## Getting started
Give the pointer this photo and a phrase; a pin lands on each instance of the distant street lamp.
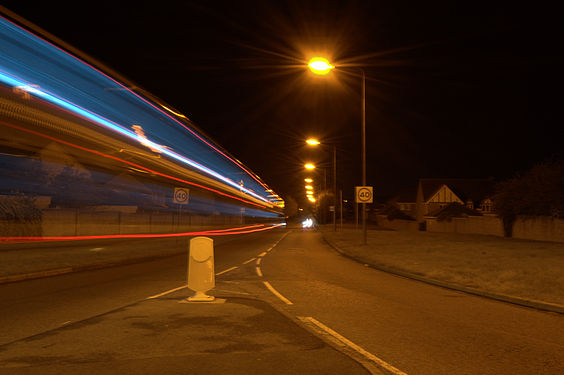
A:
(309, 166)
(315, 142)
(321, 66)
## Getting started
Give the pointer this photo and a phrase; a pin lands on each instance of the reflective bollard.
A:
(201, 274)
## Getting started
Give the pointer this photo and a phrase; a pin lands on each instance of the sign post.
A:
(363, 194)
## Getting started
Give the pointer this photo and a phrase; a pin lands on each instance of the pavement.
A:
(373, 249)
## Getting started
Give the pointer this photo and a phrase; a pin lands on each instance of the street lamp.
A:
(321, 66)
(315, 142)
(312, 142)
(309, 166)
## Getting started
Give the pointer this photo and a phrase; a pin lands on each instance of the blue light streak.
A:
(33, 89)
(44, 71)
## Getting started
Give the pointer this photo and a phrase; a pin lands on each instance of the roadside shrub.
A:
(394, 213)
(537, 192)
(19, 216)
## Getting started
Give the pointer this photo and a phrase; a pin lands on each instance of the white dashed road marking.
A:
(227, 270)
(167, 292)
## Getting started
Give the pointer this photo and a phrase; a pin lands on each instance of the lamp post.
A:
(321, 66)
(315, 142)
(363, 152)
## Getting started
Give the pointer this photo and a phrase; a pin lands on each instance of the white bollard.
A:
(201, 275)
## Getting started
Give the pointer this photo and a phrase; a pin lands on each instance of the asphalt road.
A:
(135, 319)
(34, 306)
(415, 327)
(316, 302)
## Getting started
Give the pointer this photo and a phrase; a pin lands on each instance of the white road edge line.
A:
(258, 261)
(227, 270)
(167, 292)
(277, 242)
(249, 261)
(277, 294)
(352, 345)
(258, 271)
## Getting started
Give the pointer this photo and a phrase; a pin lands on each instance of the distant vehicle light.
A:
(307, 223)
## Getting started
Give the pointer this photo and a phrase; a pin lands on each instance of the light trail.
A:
(237, 163)
(127, 162)
(11, 80)
(218, 232)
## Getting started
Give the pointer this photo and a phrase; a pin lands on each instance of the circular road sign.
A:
(181, 195)
(364, 194)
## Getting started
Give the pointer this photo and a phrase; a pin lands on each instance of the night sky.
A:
(453, 90)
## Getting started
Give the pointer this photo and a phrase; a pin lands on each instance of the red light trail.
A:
(216, 232)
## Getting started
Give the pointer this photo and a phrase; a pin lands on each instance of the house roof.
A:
(474, 189)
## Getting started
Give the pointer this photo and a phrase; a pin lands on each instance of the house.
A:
(434, 194)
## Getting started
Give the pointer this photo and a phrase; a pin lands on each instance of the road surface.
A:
(321, 310)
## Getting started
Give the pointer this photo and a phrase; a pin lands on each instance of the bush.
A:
(19, 216)
(537, 192)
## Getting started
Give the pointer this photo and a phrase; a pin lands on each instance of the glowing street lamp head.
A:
(308, 180)
(313, 142)
(320, 66)
(309, 166)
(309, 187)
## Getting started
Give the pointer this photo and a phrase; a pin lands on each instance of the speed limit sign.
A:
(363, 194)
(181, 195)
